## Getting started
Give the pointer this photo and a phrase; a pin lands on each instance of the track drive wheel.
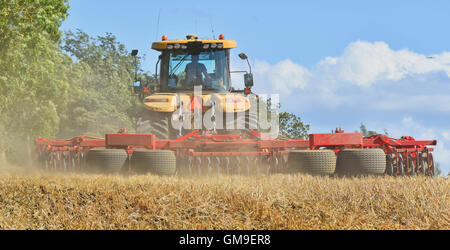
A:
(156, 123)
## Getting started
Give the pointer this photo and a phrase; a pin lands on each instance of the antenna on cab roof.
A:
(212, 29)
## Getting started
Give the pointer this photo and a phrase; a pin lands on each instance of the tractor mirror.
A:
(248, 80)
(243, 56)
(134, 52)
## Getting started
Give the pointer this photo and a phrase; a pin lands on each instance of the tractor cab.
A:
(185, 64)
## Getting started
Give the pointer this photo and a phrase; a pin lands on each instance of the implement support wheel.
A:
(106, 161)
(159, 162)
(316, 162)
(361, 161)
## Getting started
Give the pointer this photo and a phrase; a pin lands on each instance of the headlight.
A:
(205, 46)
(183, 46)
(177, 46)
(170, 46)
(213, 45)
(220, 46)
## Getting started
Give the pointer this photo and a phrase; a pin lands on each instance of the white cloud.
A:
(365, 63)
(446, 135)
(284, 76)
(361, 63)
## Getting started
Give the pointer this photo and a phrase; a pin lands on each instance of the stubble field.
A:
(222, 202)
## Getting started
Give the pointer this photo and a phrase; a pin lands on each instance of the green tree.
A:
(33, 82)
(102, 100)
(28, 29)
(292, 127)
(366, 132)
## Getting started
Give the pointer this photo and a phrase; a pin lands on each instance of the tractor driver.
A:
(194, 71)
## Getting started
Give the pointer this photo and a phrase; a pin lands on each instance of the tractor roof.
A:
(162, 45)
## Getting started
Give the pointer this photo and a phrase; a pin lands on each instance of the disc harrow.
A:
(249, 153)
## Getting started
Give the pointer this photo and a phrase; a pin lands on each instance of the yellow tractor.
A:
(194, 91)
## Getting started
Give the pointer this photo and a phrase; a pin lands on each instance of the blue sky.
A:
(305, 31)
(334, 63)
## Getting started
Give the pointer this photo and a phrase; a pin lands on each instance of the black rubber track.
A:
(159, 162)
(156, 123)
(105, 161)
(361, 161)
(316, 162)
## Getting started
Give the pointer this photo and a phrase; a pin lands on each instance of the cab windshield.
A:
(182, 71)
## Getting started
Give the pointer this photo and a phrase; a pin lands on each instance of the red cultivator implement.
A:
(247, 153)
